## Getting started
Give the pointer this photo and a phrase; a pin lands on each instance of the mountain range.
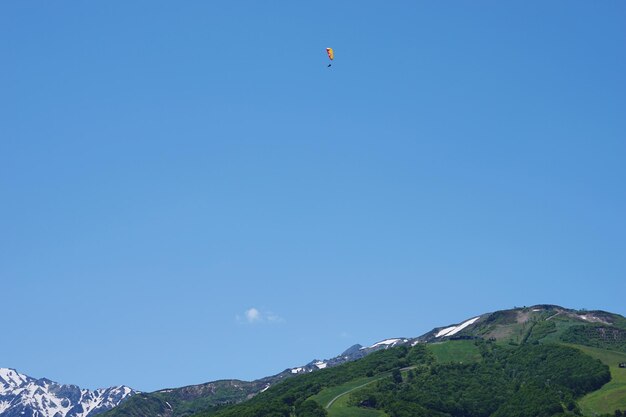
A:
(24, 396)
(520, 326)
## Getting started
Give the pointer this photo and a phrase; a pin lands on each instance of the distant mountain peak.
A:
(24, 396)
(352, 349)
(11, 379)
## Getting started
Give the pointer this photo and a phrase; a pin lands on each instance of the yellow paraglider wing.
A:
(331, 53)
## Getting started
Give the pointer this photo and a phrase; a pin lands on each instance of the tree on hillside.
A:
(310, 408)
(396, 376)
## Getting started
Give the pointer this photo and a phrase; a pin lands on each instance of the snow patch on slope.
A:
(11, 379)
(445, 331)
(386, 342)
(449, 331)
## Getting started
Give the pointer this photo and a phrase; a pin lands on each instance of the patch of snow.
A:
(296, 370)
(445, 331)
(463, 326)
(536, 309)
(381, 343)
(53, 407)
(320, 364)
(592, 319)
(449, 331)
(266, 388)
(4, 405)
(385, 342)
(13, 378)
(90, 403)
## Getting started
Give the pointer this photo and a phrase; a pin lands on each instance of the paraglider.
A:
(331, 54)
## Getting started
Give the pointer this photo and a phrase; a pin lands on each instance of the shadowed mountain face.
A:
(23, 396)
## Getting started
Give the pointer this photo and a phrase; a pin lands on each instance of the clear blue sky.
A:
(165, 167)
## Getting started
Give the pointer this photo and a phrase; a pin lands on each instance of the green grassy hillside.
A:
(503, 364)
(342, 408)
(293, 397)
(611, 396)
(458, 351)
(600, 336)
(531, 380)
(454, 378)
(335, 399)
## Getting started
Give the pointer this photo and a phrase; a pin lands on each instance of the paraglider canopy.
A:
(331, 54)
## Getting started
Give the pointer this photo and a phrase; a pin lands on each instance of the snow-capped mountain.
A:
(23, 396)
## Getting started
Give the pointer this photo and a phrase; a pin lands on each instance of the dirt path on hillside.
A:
(348, 392)
(330, 403)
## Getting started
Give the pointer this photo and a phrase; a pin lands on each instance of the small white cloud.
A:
(254, 315)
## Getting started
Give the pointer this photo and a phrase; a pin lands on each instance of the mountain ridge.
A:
(497, 325)
(25, 396)
(514, 326)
